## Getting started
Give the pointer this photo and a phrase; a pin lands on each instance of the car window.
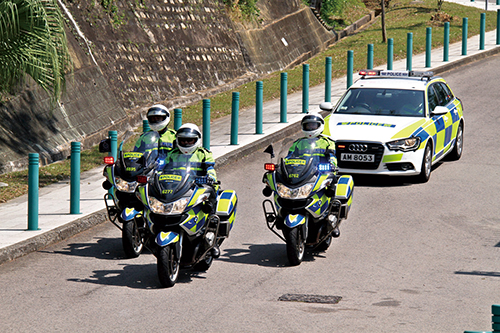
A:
(385, 102)
(432, 98)
(447, 90)
(443, 97)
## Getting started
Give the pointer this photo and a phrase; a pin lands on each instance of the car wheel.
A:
(458, 148)
(426, 168)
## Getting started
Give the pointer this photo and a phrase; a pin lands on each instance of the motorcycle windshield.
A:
(302, 161)
(141, 159)
(178, 176)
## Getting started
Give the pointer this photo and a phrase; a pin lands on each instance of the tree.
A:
(33, 42)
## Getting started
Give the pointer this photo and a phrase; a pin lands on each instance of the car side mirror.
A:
(326, 106)
(439, 110)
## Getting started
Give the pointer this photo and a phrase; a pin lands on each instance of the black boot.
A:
(216, 252)
(336, 232)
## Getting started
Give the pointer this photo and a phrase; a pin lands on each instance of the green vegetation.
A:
(247, 8)
(33, 43)
(401, 19)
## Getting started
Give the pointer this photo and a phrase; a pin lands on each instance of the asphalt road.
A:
(410, 258)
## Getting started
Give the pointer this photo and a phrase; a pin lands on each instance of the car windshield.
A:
(383, 102)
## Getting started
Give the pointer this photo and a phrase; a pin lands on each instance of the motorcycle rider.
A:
(158, 117)
(312, 125)
(187, 148)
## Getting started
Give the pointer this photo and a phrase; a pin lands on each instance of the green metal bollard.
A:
(328, 79)
(482, 28)
(409, 51)
(305, 88)
(446, 42)
(177, 118)
(259, 101)
(428, 46)
(498, 25)
(113, 136)
(283, 97)
(206, 124)
(235, 106)
(350, 67)
(145, 126)
(75, 178)
(33, 184)
(390, 53)
(369, 57)
(464, 35)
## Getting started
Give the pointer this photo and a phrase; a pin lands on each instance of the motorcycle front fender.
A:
(293, 220)
(165, 238)
(128, 214)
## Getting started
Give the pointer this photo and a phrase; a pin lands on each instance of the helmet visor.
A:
(186, 142)
(311, 126)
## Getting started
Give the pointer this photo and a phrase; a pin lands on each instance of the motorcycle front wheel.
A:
(295, 246)
(132, 241)
(168, 266)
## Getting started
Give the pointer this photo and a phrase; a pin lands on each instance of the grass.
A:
(401, 18)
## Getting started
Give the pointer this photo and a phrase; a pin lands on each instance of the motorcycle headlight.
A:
(407, 144)
(176, 207)
(124, 186)
(296, 193)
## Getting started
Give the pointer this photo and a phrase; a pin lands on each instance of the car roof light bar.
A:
(391, 73)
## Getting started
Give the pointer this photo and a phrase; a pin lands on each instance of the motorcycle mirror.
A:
(105, 146)
(270, 150)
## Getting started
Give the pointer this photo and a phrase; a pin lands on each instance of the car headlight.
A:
(124, 186)
(407, 144)
(295, 193)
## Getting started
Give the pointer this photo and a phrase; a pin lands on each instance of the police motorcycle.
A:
(309, 199)
(124, 209)
(186, 215)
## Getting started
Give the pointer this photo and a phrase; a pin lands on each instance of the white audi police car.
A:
(395, 123)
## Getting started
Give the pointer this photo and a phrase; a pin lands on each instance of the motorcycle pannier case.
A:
(343, 192)
(226, 210)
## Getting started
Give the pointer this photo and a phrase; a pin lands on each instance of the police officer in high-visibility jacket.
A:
(158, 118)
(323, 147)
(312, 127)
(188, 151)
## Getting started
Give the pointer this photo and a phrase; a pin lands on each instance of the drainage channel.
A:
(310, 298)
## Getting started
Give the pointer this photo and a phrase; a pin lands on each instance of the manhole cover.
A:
(310, 298)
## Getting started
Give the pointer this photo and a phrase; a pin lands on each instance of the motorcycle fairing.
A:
(129, 213)
(148, 219)
(166, 238)
(271, 181)
(194, 198)
(195, 221)
(319, 204)
(293, 220)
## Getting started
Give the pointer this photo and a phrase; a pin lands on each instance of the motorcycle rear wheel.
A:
(168, 266)
(295, 246)
(132, 241)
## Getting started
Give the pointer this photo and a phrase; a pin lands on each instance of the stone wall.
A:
(174, 52)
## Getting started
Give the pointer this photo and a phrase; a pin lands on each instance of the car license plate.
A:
(357, 157)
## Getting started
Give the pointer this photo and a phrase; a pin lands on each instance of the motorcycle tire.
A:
(295, 246)
(132, 241)
(205, 264)
(168, 266)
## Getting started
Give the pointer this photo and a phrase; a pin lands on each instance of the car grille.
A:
(373, 148)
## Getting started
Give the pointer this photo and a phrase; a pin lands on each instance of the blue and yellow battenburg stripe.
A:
(226, 206)
(195, 221)
(293, 220)
(165, 238)
(319, 204)
(344, 190)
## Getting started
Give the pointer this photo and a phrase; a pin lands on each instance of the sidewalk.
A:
(55, 222)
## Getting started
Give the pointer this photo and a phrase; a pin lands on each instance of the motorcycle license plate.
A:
(357, 157)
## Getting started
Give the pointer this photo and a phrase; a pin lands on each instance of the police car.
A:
(396, 123)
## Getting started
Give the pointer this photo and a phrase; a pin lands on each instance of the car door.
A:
(438, 96)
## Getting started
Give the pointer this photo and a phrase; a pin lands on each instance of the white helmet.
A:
(188, 138)
(158, 117)
(312, 125)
